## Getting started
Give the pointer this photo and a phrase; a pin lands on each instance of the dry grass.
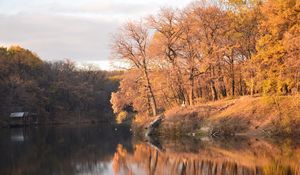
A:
(256, 115)
(244, 115)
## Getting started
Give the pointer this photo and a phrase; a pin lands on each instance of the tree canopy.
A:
(56, 91)
(210, 51)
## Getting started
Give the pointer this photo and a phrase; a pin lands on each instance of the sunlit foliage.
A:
(210, 51)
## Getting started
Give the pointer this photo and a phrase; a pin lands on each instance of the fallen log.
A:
(150, 129)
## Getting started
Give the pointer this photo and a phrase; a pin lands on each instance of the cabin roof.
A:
(18, 114)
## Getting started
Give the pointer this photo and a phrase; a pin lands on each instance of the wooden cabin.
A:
(22, 119)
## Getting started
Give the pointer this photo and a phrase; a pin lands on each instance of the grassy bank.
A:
(259, 116)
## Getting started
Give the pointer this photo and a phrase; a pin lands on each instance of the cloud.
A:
(77, 7)
(57, 37)
(116, 8)
(76, 29)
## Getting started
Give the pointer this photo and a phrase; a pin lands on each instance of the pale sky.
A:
(79, 30)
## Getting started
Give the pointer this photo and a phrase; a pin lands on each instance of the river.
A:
(109, 150)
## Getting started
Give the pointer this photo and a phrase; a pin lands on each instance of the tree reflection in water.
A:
(105, 150)
(239, 157)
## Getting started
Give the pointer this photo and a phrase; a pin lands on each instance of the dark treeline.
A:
(210, 50)
(57, 91)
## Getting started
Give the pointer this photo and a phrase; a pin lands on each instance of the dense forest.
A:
(208, 51)
(55, 91)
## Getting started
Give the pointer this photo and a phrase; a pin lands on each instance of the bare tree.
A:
(132, 44)
(167, 25)
(190, 53)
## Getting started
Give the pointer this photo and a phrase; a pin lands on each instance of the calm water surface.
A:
(97, 150)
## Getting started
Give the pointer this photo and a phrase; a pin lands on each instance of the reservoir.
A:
(114, 150)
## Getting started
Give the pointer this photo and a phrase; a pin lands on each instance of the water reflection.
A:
(60, 150)
(239, 156)
(17, 135)
(100, 150)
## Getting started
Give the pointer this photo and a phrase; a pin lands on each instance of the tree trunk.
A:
(178, 75)
(223, 87)
(213, 90)
(149, 108)
(223, 91)
(151, 94)
(233, 86)
(232, 79)
(252, 87)
(212, 84)
(191, 94)
(297, 82)
(241, 88)
(199, 92)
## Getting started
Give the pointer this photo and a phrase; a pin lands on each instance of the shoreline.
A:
(244, 116)
(49, 124)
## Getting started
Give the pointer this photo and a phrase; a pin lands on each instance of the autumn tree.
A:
(56, 91)
(132, 44)
(212, 50)
(275, 46)
(190, 53)
(210, 28)
(168, 31)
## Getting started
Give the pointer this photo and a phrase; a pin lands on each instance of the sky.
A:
(79, 30)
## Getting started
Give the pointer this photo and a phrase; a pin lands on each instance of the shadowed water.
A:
(95, 150)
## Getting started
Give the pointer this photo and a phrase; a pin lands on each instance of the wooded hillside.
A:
(56, 91)
(210, 50)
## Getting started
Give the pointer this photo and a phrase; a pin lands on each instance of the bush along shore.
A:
(250, 116)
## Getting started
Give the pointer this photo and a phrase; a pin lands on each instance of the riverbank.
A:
(252, 116)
